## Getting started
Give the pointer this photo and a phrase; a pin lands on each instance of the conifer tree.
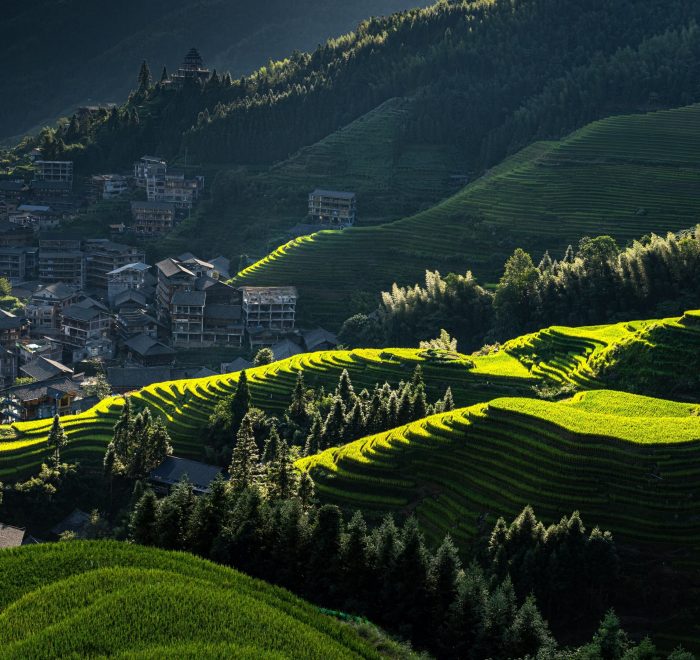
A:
(314, 441)
(356, 426)
(444, 573)
(283, 479)
(448, 402)
(298, 411)
(57, 440)
(158, 447)
(271, 446)
(417, 378)
(240, 402)
(307, 490)
(334, 428)
(405, 411)
(345, 390)
(419, 403)
(142, 526)
(392, 410)
(244, 471)
(145, 79)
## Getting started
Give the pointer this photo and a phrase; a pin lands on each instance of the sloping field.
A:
(187, 404)
(625, 176)
(628, 463)
(98, 599)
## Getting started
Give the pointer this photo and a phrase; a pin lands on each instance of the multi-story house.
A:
(46, 306)
(109, 186)
(332, 208)
(149, 167)
(61, 260)
(173, 276)
(191, 70)
(85, 330)
(130, 277)
(12, 330)
(103, 256)
(152, 218)
(18, 264)
(268, 313)
(54, 170)
(174, 188)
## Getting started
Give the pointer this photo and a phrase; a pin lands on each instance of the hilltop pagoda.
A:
(192, 68)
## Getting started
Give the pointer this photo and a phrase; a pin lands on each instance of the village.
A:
(92, 308)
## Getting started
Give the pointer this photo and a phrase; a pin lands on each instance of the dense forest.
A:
(611, 57)
(110, 40)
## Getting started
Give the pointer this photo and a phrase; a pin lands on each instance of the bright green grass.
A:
(87, 599)
(625, 176)
(187, 404)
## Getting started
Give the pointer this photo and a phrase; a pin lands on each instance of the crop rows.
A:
(632, 467)
(624, 176)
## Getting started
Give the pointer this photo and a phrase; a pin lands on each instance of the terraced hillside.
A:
(187, 404)
(627, 462)
(98, 599)
(625, 176)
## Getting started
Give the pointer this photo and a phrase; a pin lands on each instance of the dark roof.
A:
(193, 298)
(57, 289)
(134, 378)
(50, 185)
(137, 265)
(318, 336)
(222, 265)
(198, 262)
(341, 194)
(75, 522)
(172, 469)
(272, 291)
(40, 390)
(81, 313)
(10, 321)
(42, 368)
(227, 312)
(204, 372)
(239, 364)
(138, 320)
(147, 346)
(285, 349)
(130, 296)
(170, 267)
(11, 537)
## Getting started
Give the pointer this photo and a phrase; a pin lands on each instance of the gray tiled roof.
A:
(42, 369)
(318, 336)
(172, 469)
(10, 537)
(147, 346)
(192, 298)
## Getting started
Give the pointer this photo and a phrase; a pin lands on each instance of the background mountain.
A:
(52, 74)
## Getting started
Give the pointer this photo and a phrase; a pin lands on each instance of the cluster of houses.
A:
(94, 299)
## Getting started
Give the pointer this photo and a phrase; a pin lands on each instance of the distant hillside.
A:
(90, 599)
(625, 176)
(61, 55)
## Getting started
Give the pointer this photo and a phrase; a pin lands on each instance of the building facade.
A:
(332, 208)
(152, 218)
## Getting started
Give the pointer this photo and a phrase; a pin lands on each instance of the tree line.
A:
(595, 283)
(315, 419)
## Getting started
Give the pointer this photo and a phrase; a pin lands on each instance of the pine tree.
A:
(355, 563)
(569, 255)
(417, 378)
(145, 79)
(174, 514)
(240, 402)
(283, 478)
(314, 441)
(307, 490)
(529, 634)
(57, 440)
(419, 403)
(445, 571)
(334, 428)
(392, 410)
(356, 426)
(244, 471)
(122, 430)
(271, 446)
(158, 446)
(298, 412)
(142, 525)
(405, 411)
(345, 390)
(448, 402)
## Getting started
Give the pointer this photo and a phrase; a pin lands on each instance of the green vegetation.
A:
(624, 176)
(102, 598)
(626, 462)
(187, 404)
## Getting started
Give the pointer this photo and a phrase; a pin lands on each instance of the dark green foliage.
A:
(57, 440)
(144, 518)
(240, 402)
(262, 357)
(245, 470)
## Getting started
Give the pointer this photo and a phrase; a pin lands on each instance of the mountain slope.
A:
(77, 52)
(87, 599)
(625, 176)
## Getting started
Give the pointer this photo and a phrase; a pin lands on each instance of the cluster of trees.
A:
(388, 574)
(316, 420)
(596, 283)
(140, 443)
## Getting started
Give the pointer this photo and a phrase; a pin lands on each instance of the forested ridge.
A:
(111, 40)
(483, 71)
